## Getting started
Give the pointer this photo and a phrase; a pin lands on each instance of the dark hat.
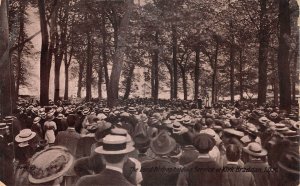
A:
(204, 142)
(162, 144)
(289, 162)
(141, 141)
(102, 130)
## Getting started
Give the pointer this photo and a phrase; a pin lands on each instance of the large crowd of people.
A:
(142, 142)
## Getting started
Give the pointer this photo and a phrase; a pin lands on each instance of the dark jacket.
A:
(106, 177)
(68, 139)
(201, 172)
(159, 172)
(236, 177)
(262, 178)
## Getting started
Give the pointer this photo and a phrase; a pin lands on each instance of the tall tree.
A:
(7, 89)
(263, 37)
(45, 63)
(118, 57)
(283, 55)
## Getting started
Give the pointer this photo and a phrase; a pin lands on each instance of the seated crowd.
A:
(141, 143)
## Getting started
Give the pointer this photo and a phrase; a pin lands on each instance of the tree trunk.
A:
(184, 82)
(197, 73)
(263, 37)
(44, 61)
(174, 60)
(241, 74)
(20, 47)
(129, 81)
(89, 68)
(231, 61)
(80, 76)
(66, 95)
(295, 76)
(215, 70)
(100, 70)
(118, 57)
(283, 55)
(7, 88)
(56, 81)
(104, 55)
(156, 70)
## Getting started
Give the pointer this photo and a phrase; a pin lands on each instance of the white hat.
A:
(25, 135)
(114, 144)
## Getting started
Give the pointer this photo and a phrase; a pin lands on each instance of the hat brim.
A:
(56, 175)
(160, 151)
(20, 140)
(128, 149)
(260, 154)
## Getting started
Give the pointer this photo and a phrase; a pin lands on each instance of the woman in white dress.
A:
(50, 127)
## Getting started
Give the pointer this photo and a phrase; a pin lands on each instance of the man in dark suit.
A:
(114, 151)
(232, 175)
(160, 171)
(70, 137)
(204, 171)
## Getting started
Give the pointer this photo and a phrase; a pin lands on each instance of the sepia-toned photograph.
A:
(149, 93)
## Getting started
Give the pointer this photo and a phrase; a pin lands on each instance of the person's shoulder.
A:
(87, 180)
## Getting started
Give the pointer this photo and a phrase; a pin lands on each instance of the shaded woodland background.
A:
(243, 49)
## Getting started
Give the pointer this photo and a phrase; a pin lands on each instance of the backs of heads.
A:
(204, 143)
(233, 152)
(71, 119)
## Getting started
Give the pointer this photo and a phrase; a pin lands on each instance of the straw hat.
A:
(25, 135)
(57, 159)
(233, 132)
(114, 144)
(36, 120)
(255, 149)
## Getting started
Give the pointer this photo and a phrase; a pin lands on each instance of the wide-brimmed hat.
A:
(85, 111)
(280, 127)
(162, 144)
(25, 135)
(60, 116)
(50, 115)
(255, 149)
(172, 118)
(57, 159)
(8, 119)
(114, 144)
(106, 110)
(179, 118)
(273, 115)
(131, 109)
(234, 132)
(289, 162)
(187, 121)
(177, 128)
(59, 109)
(296, 125)
(42, 115)
(36, 120)
(3, 127)
(263, 120)
(121, 132)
